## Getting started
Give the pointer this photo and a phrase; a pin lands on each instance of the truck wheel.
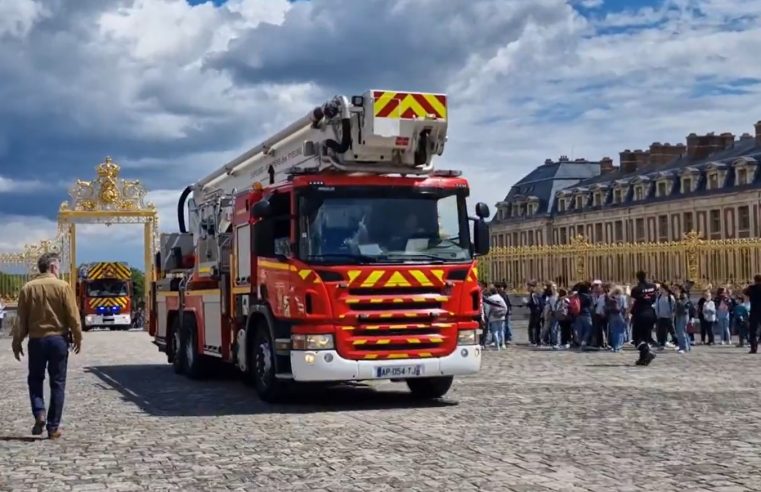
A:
(175, 353)
(430, 388)
(261, 367)
(194, 362)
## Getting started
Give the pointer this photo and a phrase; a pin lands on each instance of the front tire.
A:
(430, 388)
(261, 367)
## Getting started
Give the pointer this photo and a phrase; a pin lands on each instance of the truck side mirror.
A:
(482, 210)
(481, 237)
(261, 209)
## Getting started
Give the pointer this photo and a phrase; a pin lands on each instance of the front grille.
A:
(382, 325)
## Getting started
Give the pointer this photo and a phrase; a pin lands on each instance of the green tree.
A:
(138, 286)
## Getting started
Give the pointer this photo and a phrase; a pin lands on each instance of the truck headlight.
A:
(312, 342)
(467, 337)
(89, 318)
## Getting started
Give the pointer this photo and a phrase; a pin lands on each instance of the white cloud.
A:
(8, 185)
(17, 17)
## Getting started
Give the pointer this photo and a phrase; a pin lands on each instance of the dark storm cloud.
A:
(380, 44)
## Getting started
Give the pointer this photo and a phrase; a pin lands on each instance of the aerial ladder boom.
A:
(379, 132)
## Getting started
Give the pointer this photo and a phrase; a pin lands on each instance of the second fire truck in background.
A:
(104, 295)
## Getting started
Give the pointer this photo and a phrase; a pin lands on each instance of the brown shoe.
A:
(39, 425)
(54, 434)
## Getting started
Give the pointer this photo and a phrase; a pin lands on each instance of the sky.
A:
(172, 90)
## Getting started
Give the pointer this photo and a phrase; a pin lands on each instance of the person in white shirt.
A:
(2, 314)
(496, 312)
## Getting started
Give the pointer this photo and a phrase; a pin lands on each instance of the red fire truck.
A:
(332, 251)
(104, 294)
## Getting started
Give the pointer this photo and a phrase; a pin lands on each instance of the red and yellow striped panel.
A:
(96, 302)
(396, 278)
(109, 269)
(409, 105)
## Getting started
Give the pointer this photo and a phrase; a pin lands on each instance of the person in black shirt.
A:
(643, 318)
(754, 295)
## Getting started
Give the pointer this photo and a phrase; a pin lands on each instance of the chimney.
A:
(642, 157)
(547, 162)
(728, 140)
(661, 154)
(628, 161)
(746, 136)
(758, 133)
(606, 165)
(580, 159)
(563, 158)
(700, 147)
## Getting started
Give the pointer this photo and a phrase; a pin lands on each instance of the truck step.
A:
(284, 375)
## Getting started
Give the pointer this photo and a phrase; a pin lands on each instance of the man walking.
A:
(643, 318)
(754, 296)
(48, 314)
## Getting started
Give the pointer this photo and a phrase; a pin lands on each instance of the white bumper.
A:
(327, 365)
(100, 320)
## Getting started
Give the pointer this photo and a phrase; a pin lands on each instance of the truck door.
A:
(272, 249)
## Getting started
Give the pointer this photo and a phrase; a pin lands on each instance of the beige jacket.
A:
(47, 306)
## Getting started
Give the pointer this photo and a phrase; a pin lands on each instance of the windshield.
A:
(382, 225)
(107, 288)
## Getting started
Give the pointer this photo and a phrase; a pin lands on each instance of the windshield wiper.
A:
(415, 256)
(343, 256)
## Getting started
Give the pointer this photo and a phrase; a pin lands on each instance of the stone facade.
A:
(711, 185)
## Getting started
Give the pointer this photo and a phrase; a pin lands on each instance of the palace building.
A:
(711, 184)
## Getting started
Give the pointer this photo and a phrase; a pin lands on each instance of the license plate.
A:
(398, 371)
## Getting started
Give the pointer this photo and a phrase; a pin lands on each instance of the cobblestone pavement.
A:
(531, 421)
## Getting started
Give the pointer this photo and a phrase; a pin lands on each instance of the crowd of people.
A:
(599, 316)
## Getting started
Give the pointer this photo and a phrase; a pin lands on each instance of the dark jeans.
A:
(566, 332)
(706, 328)
(599, 325)
(754, 331)
(534, 328)
(664, 328)
(642, 328)
(51, 353)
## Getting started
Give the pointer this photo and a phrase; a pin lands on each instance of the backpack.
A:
(574, 306)
(560, 310)
(682, 309)
(723, 306)
(495, 309)
(612, 306)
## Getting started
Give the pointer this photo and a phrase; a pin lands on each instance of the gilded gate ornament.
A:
(107, 192)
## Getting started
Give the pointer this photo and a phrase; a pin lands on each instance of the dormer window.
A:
(686, 185)
(745, 170)
(561, 204)
(597, 199)
(712, 180)
(618, 196)
(579, 202)
(639, 192)
(742, 177)
(662, 188)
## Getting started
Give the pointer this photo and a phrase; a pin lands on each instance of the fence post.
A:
(693, 241)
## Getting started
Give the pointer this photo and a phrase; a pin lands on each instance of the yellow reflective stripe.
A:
(352, 274)
(421, 278)
(373, 278)
(439, 274)
(383, 341)
(397, 280)
(397, 356)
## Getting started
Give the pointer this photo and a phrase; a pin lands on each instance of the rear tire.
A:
(177, 357)
(261, 367)
(430, 388)
(195, 363)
